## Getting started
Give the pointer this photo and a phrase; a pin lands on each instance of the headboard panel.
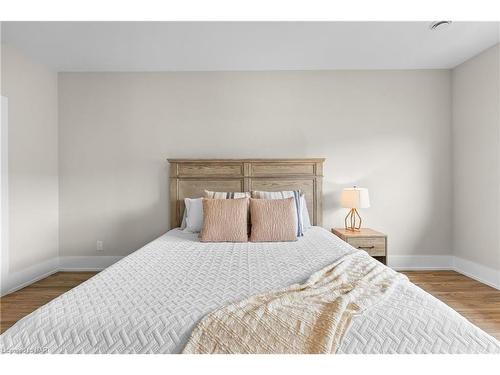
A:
(190, 177)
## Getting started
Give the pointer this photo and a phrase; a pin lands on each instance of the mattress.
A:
(150, 301)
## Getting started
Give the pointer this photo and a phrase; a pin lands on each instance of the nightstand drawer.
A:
(372, 245)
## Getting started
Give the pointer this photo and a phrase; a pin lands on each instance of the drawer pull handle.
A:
(366, 247)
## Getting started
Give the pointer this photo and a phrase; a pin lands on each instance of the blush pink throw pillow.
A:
(225, 220)
(273, 220)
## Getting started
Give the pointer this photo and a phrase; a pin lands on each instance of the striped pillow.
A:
(283, 195)
(226, 194)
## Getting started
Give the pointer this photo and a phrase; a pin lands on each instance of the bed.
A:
(150, 301)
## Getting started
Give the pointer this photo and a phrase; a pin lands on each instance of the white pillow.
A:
(306, 221)
(194, 215)
(183, 224)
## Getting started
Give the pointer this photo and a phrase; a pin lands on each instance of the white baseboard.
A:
(420, 262)
(27, 276)
(86, 263)
(483, 274)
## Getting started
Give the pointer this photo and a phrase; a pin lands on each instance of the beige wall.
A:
(31, 90)
(476, 159)
(385, 130)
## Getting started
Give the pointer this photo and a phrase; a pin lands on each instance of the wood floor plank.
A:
(17, 305)
(477, 302)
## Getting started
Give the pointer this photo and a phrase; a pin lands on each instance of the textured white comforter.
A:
(150, 301)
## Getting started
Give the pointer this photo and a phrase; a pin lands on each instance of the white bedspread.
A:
(150, 301)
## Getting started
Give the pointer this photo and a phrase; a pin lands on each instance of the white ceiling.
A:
(215, 46)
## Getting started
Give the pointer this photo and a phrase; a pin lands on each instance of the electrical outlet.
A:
(99, 246)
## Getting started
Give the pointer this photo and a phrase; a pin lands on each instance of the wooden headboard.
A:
(190, 177)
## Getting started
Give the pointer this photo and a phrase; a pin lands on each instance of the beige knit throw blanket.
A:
(307, 318)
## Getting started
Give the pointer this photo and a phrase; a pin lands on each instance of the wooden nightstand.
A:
(373, 242)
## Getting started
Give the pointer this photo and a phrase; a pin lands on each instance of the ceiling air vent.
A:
(439, 25)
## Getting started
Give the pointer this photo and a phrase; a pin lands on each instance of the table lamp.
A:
(354, 198)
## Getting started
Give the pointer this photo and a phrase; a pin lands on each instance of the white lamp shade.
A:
(355, 198)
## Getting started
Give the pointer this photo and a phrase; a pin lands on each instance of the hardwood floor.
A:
(16, 305)
(477, 302)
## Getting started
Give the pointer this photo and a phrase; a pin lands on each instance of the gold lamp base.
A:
(351, 220)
